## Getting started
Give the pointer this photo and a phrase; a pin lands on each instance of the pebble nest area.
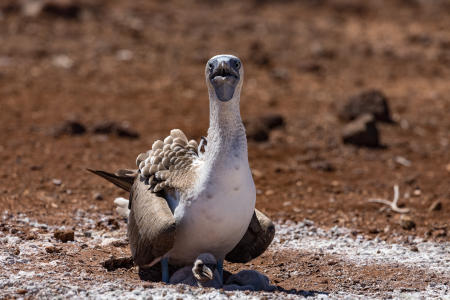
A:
(343, 100)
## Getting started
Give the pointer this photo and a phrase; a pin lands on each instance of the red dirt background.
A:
(142, 62)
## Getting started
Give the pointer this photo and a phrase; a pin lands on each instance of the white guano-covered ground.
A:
(28, 270)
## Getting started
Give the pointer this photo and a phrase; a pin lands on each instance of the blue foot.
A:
(220, 269)
(165, 269)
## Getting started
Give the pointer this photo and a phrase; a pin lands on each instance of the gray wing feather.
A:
(169, 163)
(151, 225)
(258, 237)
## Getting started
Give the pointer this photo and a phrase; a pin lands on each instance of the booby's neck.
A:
(226, 133)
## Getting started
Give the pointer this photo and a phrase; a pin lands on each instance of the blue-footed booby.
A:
(187, 199)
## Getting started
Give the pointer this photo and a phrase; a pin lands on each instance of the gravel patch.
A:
(27, 269)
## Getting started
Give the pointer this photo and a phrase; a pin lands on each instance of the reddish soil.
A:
(142, 62)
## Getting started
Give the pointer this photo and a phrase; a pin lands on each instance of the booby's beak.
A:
(204, 272)
(224, 75)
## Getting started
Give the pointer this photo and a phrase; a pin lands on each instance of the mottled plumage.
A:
(169, 164)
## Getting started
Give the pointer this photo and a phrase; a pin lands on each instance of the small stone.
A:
(257, 173)
(124, 55)
(258, 129)
(322, 165)
(435, 206)
(68, 9)
(147, 285)
(52, 249)
(57, 181)
(269, 193)
(69, 127)
(35, 167)
(119, 244)
(116, 263)
(372, 102)
(361, 132)
(439, 233)
(119, 129)
(62, 61)
(414, 249)
(374, 230)
(272, 120)
(31, 236)
(98, 196)
(64, 236)
(310, 67)
(407, 222)
(21, 291)
(402, 161)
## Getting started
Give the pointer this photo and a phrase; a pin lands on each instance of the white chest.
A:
(218, 217)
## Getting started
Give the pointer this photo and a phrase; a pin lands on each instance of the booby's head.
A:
(204, 267)
(224, 76)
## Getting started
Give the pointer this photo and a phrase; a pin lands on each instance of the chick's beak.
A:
(204, 274)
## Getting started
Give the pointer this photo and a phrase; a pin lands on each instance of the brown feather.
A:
(258, 237)
(151, 225)
(123, 178)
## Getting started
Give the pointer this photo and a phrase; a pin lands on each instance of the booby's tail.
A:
(123, 178)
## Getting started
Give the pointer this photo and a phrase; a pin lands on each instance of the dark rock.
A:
(67, 9)
(52, 249)
(119, 243)
(407, 222)
(64, 236)
(98, 196)
(118, 263)
(257, 132)
(272, 120)
(371, 102)
(258, 129)
(361, 132)
(62, 8)
(69, 127)
(21, 291)
(259, 55)
(119, 129)
(36, 167)
(310, 67)
(322, 165)
(440, 233)
(414, 248)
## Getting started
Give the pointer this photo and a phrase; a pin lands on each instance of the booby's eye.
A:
(237, 64)
(211, 66)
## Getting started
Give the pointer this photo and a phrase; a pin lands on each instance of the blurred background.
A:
(342, 99)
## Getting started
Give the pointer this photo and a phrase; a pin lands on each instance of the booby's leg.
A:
(165, 269)
(220, 269)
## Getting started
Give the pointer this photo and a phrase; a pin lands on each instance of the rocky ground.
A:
(343, 100)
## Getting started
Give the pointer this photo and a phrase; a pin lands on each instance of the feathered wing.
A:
(151, 225)
(169, 164)
(255, 241)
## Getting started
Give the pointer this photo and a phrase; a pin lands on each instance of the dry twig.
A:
(393, 205)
